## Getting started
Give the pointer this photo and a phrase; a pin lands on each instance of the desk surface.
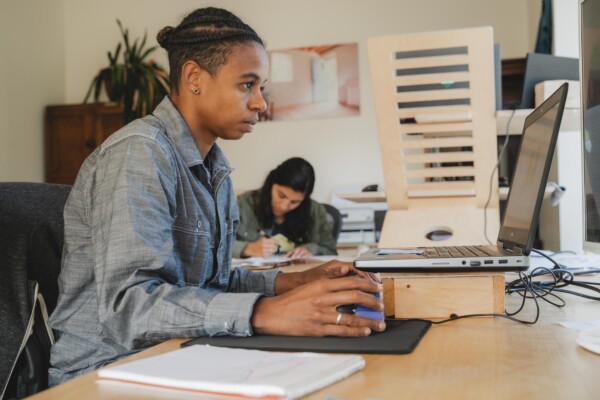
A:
(477, 358)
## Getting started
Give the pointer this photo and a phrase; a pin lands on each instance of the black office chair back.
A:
(334, 217)
(31, 241)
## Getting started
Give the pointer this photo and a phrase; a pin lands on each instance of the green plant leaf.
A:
(135, 84)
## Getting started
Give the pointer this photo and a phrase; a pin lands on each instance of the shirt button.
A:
(199, 225)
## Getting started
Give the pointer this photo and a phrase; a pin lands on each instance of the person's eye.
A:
(247, 85)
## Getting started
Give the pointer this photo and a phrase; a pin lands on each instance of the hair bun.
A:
(163, 36)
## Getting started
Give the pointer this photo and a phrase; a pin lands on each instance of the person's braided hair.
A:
(206, 36)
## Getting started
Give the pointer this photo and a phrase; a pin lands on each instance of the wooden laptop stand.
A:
(441, 295)
(435, 105)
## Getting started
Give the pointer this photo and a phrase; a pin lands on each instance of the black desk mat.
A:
(400, 337)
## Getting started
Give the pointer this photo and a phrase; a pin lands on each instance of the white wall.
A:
(565, 28)
(32, 75)
(343, 150)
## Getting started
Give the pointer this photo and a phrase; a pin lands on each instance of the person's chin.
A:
(235, 135)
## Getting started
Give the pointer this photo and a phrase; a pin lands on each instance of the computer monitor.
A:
(589, 10)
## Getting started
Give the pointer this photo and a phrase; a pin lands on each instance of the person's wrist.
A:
(244, 252)
(287, 281)
(258, 320)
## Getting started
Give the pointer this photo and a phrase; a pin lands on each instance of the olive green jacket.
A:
(320, 238)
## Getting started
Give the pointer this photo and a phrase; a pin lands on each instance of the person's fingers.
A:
(351, 325)
(335, 269)
(352, 297)
(298, 252)
(349, 283)
(269, 246)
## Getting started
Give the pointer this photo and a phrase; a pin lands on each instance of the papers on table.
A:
(581, 325)
(237, 372)
(579, 262)
(258, 263)
(261, 263)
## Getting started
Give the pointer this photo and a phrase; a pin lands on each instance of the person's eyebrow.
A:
(252, 76)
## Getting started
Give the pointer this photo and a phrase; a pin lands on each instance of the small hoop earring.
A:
(196, 90)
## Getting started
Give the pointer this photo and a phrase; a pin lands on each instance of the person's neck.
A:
(204, 140)
(278, 220)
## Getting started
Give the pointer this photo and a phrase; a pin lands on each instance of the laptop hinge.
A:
(513, 248)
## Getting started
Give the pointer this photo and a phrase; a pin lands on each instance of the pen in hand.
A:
(272, 247)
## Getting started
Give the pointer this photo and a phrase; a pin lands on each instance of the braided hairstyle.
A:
(207, 36)
(298, 174)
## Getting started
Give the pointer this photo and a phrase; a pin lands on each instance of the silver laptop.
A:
(517, 233)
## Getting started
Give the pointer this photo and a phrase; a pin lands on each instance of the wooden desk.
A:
(477, 358)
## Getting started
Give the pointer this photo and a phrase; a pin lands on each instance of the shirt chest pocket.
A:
(194, 242)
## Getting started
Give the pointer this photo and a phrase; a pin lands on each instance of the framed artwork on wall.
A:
(313, 82)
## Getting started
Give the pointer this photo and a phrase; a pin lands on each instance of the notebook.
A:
(517, 233)
(237, 373)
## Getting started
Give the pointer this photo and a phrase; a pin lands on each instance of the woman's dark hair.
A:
(297, 174)
(206, 36)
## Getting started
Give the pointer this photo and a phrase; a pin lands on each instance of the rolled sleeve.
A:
(244, 281)
(230, 314)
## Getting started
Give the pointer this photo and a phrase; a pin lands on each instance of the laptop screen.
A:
(531, 172)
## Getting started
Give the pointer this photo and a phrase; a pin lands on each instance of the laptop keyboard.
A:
(459, 251)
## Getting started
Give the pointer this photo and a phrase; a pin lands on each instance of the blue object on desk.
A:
(365, 312)
(361, 311)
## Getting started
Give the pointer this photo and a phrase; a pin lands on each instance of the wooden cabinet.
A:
(71, 133)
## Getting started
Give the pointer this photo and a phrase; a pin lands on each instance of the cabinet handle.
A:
(90, 144)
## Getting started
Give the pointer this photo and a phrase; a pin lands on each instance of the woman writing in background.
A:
(281, 216)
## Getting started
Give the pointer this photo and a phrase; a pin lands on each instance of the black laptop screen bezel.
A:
(512, 237)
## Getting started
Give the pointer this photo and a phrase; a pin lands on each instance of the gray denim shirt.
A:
(149, 230)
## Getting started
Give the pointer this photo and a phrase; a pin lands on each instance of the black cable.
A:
(545, 290)
(487, 203)
(507, 315)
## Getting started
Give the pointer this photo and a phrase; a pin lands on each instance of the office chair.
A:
(435, 107)
(31, 241)
(334, 217)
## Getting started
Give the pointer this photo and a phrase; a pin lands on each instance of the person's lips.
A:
(251, 123)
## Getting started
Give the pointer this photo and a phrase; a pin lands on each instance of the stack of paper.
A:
(237, 372)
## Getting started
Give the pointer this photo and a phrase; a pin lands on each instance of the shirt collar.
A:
(178, 131)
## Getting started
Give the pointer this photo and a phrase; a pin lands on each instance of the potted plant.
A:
(133, 82)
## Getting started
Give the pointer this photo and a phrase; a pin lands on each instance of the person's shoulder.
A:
(248, 196)
(315, 204)
(317, 208)
(142, 129)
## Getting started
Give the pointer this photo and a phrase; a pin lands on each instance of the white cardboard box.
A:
(543, 90)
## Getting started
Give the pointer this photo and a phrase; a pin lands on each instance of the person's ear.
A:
(191, 77)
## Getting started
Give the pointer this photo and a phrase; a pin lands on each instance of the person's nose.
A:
(285, 205)
(257, 102)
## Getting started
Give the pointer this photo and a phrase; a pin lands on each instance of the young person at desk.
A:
(151, 219)
(281, 216)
